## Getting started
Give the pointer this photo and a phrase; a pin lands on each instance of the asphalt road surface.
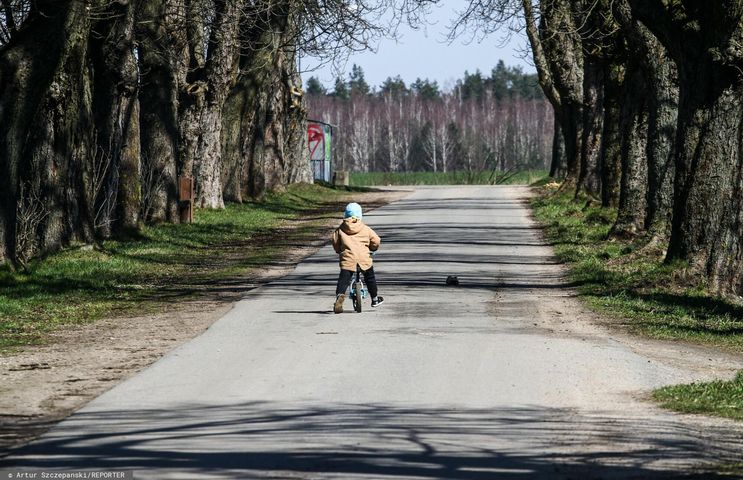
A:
(502, 377)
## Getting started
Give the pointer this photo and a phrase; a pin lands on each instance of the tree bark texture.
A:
(278, 143)
(238, 115)
(202, 103)
(237, 120)
(245, 112)
(279, 126)
(706, 228)
(663, 118)
(563, 49)
(589, 177)
(296, 138)
(558, 56)
(602, 47)
(558, 164)
(104, 104)
(611, 161)
(159, 39)
(651, 72)
(45, 110)
(115, 191)
(633, 140)
(192, 86)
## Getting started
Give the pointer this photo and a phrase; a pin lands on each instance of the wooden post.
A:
(186, 196)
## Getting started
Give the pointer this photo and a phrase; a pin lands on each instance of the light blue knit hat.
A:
(353, 210)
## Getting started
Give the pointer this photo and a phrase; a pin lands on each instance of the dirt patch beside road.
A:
(41, 385)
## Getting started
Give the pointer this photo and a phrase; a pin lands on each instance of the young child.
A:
(354, 241)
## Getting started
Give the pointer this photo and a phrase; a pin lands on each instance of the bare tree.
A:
(440, 133)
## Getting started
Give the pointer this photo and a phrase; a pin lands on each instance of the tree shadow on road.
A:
(269, 440)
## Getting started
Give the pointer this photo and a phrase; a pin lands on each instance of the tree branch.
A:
(540, 59)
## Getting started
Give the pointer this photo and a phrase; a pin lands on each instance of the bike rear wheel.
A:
(357, 296)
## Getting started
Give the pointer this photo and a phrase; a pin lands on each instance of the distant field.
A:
(365, 179)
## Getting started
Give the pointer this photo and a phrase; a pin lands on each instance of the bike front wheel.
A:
(357, 297)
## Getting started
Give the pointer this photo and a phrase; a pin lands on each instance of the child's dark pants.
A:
(346, 276)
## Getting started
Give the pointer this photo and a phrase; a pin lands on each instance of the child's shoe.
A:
(338, 306)
(376, 301)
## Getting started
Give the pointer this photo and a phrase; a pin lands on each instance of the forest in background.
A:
(501, 121)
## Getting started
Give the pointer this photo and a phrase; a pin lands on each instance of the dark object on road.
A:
(452, 281)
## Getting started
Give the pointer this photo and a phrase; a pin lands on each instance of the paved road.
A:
(502, 377)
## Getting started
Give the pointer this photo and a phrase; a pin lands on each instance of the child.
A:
(353, 241)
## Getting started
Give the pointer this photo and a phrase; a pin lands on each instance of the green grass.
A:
(724, 399)
(445, 178)
(162, 263)
(628, 282)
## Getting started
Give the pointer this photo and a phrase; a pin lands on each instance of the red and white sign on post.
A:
(319, 136)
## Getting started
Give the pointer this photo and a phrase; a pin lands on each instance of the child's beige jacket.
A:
(352, 241)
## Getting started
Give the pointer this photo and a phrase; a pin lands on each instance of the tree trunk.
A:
(203, 101)
(278, 154)
(706, 229)
(571, 119)
(653, 73)
(45, 108)
(115, 191)
(662, 121)
(557, 165)
(247, 109)
(558, 56)
(237, 118)
(276, 126)
(159, 39)
(296, 139)
(634, 131)
(611, 162)
(589, 178)
(602, 47)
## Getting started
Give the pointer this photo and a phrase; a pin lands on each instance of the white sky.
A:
(425, 53)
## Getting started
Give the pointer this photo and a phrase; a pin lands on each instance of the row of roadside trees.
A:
(648, 98)
(105, 104)
(501, 121)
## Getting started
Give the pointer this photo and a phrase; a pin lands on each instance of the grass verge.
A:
(161, 264)
(628, 282)
(445, 178)
(724, 399)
